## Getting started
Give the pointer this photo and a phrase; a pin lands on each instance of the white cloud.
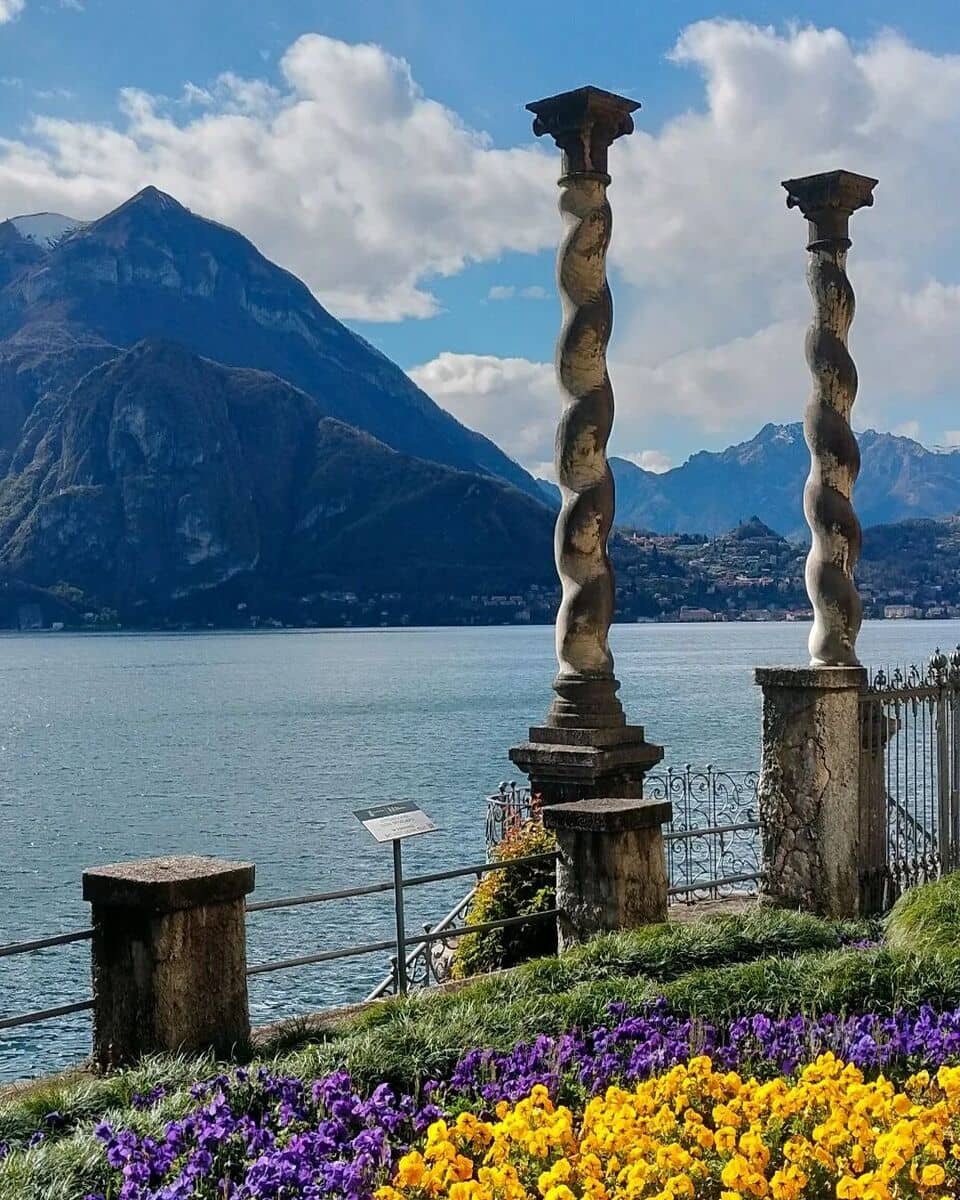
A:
(651, 460)
(10, 9)
(511, 398)
(718, 260)
(708, 264)
(346, 173)
(509, 292)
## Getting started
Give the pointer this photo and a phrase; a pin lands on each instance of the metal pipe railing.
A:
(45, 1014)
(375, 947)
(58, 939)
(408, 881)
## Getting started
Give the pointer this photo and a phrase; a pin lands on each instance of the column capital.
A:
(584, 123)
(827, 200)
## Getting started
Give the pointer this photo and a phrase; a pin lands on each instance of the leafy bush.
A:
(926, 919)
(516, 891)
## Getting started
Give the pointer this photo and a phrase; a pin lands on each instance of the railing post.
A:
(611, 869)
(169, 957)
(877, 884)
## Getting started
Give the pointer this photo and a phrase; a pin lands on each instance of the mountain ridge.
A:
(150, 266)
(713, 491)
(170, 483)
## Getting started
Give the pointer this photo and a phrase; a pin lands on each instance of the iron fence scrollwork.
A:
(712, 844)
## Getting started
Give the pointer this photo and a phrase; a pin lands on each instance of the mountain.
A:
(168, 486)
(764, 477)
(72, 295)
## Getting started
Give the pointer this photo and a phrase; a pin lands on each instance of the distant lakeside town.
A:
(909, 571)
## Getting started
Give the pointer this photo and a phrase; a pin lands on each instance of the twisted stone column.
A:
(583, 123)
(586, 749)
(827, 202)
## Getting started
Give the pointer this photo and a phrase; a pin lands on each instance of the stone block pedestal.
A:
(566, 765)
(612, 870)
(169, 957)
(813, 841)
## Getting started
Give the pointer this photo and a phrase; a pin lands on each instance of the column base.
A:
(565, 765)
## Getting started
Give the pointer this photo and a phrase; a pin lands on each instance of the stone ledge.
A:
(825, 679)
(607, 815)
(571, 759)
(167, 884)
(605, 738)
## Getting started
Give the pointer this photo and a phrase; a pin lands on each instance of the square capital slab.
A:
(608, 815)
(167, 884)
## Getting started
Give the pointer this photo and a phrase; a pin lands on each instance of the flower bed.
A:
(334, 1116)
(257, 1136)
(694, 1131)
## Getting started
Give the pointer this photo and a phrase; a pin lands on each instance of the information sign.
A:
(398, 819)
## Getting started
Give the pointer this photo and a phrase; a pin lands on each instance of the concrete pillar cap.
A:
(169, 883)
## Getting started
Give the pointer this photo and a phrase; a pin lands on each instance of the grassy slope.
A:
(763, 960)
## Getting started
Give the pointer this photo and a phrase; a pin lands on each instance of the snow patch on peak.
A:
(46, 228)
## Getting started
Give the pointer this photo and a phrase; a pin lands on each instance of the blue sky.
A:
(100, 97)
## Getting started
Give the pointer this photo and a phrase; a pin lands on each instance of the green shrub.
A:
(516, 891)
(926, 919)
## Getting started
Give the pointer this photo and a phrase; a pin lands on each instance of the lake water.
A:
(259, 746)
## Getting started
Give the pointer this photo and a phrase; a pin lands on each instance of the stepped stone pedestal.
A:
(565, 765)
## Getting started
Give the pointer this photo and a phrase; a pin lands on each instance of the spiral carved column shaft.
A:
(585, 749)
(583, 124)
(827, 201)
(585, 677)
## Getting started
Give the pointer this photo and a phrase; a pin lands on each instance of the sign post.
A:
(392, 823)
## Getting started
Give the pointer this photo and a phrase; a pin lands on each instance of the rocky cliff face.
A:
(152, 268)
(185, 434)
(169, 484)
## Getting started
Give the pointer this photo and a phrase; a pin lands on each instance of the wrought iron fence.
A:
(712, 844)
(509, 806)
(910, 757)
(431, 960)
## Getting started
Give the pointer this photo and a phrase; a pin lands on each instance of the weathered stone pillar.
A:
(819, 827)
(827, 201)
(585, 748)
(809, 794)
(612, 869)
(169, 957)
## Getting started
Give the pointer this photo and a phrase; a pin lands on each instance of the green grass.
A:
(716, 968)
(926, 919)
